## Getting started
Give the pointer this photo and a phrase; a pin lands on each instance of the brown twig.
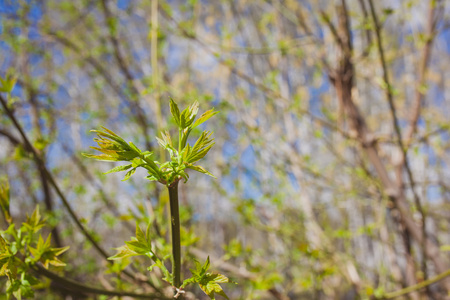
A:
(71, 285)
(404, 161)
(423, 66)
(343, 81)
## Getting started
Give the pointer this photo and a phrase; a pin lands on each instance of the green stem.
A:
(175, 223)
(180, 137)
(418, 286)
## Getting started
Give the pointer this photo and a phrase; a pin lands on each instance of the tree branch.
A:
(71, 285)
(53, 183)
(344, 84)
(423, 66)
(418, 286)
(404, 161)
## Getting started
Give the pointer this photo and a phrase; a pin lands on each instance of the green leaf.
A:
(102, 157)
(188, 115)
(34, 223)
(200, 169)
(208, 282)
(200, 148)
(135, 148)
(219, 278)
(166, 143)
(111, 134)
(46, 254)
(4, 199)
(3, 245)
(211, 289)
(185, 136)
(129, 173)
(7, 85)
(168, 277)
(8, 262)
(196, 156)
(8, 267)
(12, 288)
(139, 245)
(21, 287)
(118, 169)
(123, 252)
(204, 117)
(113, 147)
(175, 112)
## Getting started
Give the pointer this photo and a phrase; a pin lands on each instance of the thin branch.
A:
(50, 178)
(58, 191)
(109, 203)
(134, 104)
(270, 92)
(293, 44)
(71, 285)
(36, 119)
(397, 130)
(333, 29)
(418, 286)
(367, 31)
(14, 140)
(115, 42)
(343, 84)
(388, 88)
(124, 67)
(423, 66)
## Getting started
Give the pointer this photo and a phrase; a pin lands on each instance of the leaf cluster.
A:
(141, 245)
(21, 249)
(182, 156)
(208, 282)
(115, 148)
(7, 84)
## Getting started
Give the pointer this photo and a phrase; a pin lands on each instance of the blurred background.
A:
(332, 142)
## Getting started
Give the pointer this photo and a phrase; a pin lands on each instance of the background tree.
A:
(332, 145)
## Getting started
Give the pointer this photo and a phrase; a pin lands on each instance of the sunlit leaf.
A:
(200, 148)
(7, 85)
(200, 169)
(129, 173)
(188, 115)
(175, 111)
(204, 117)
(103, 157)
(139, 245)
(118, 169)
(4, 199)
(123, 252)
(208, 282)
(34, 222)
(47, 255)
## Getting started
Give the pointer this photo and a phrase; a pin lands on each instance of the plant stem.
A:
(418, 286)
(180, 137)
(175, 223)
